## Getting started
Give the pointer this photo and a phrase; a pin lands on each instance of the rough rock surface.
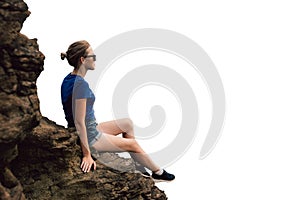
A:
(38, 158)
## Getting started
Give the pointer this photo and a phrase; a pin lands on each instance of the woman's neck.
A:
(80, 71)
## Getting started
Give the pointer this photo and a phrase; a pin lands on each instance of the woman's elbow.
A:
(79, 124)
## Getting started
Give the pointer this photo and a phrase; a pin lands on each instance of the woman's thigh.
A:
(113, 143)
(115, 127)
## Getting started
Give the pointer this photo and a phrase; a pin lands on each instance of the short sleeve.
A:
(81, 90)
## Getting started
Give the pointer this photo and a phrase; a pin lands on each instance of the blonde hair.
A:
(75, 52)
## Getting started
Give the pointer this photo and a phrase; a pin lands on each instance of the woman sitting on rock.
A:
(78, 100)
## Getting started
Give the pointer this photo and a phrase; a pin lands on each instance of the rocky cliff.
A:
(38, 158)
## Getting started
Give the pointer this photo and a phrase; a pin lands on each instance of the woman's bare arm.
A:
(79, 119)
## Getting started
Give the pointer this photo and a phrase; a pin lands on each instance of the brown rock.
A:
(48, 168)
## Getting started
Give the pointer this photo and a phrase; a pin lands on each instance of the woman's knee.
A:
(127, 128)
(133, 146)
(128, 124)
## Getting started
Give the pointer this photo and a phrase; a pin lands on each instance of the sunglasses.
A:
(93, 56)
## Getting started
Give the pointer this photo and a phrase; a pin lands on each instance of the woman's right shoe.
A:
(140, 169)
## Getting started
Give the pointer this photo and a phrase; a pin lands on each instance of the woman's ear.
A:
(81, 59)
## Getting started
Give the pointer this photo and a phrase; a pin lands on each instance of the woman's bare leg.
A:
(124, 126)
(111, 143)
(116, 127)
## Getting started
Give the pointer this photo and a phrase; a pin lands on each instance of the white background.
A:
(255, 46)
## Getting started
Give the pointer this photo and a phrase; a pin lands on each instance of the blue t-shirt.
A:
(75, 87)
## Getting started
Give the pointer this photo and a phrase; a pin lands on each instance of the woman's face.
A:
(89, 60)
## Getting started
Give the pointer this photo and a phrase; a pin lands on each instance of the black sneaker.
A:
(164, 177)
(145, 174)
(140, 169)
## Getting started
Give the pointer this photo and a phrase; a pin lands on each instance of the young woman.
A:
(78, 100)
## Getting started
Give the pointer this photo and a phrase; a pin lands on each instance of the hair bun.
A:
(63, 56)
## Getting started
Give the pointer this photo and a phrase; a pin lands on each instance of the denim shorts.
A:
(93, 134)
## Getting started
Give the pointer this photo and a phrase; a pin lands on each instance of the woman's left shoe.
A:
(164, 177)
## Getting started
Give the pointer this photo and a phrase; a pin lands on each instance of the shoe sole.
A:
(161, 180)
(144, 175)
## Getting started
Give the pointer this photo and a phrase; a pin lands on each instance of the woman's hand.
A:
(87, 163)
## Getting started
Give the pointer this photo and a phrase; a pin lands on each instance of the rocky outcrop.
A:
(20, 64)
(38, 158)
(48, 168)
